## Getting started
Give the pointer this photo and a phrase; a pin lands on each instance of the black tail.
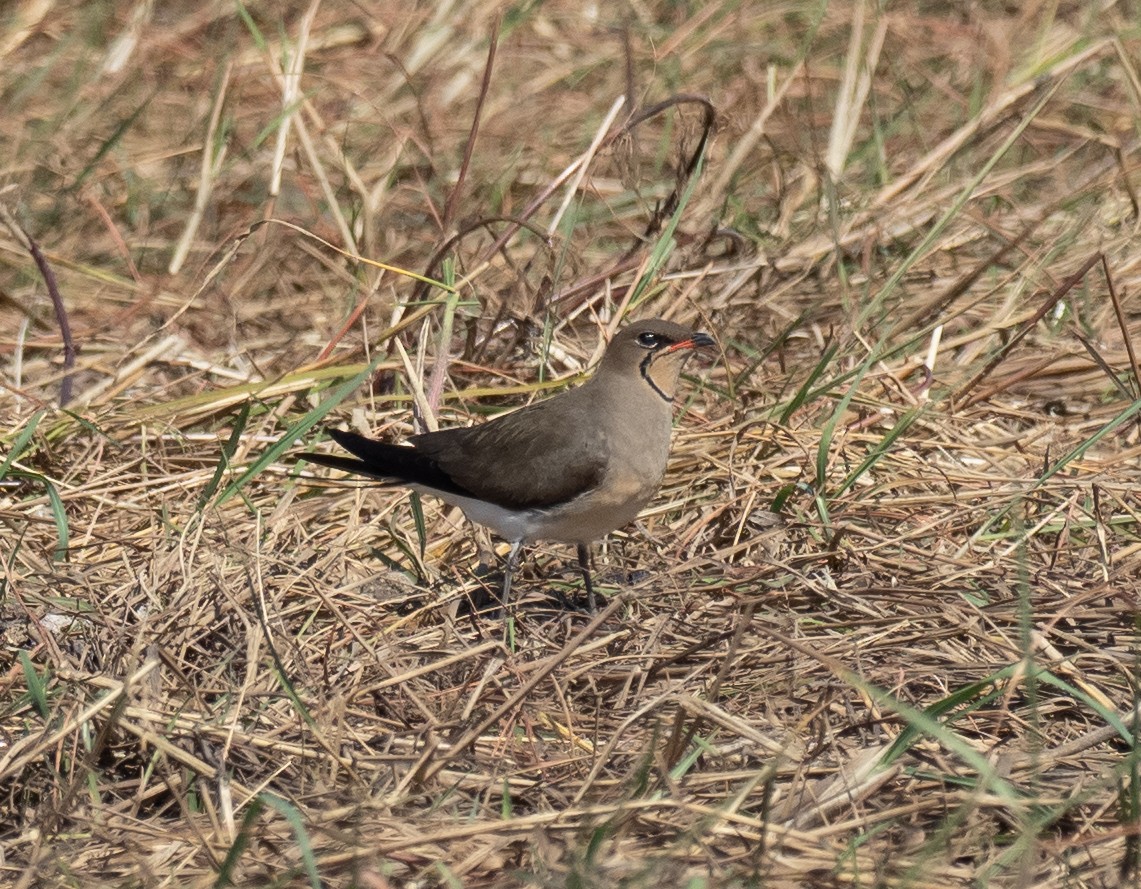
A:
(401, 464)
(345, 464)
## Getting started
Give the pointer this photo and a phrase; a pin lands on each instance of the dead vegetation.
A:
(879, 629)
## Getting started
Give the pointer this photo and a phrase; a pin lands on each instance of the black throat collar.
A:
(644, 367)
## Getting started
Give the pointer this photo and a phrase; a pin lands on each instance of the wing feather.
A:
(530, 459)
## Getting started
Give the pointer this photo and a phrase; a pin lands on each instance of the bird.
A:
(568, 469)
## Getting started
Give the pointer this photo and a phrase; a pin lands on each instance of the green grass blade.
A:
(225, 876)
(59, 513)
(304, 845)
(21, 442)
(881, 448)
(298, 429)
(37, 690)
(228, 450)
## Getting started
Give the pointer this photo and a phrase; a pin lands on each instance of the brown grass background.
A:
(914, 235)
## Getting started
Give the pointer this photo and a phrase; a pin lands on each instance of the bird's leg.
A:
(584, 565)
(509, 569)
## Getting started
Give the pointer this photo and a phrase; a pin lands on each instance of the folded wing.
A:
(530, 459)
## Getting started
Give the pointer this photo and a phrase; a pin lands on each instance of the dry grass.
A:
(218, 668)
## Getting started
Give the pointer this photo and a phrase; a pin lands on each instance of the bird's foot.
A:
(618, 577)
(579, 603)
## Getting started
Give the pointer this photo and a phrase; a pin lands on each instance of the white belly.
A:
(582, 520)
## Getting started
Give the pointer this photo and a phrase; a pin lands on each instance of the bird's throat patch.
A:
(644, 368)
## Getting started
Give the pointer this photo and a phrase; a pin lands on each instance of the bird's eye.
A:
(649, 340)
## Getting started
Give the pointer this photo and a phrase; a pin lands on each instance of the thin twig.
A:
(28, 243)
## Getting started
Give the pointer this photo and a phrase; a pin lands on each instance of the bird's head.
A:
(654, 351)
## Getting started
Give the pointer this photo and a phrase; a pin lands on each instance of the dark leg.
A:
(584, 565)
(509, 569)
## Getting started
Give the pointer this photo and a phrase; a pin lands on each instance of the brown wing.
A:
(536, 457)
(397, 464)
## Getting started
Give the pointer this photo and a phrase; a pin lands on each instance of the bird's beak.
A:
(697, 341)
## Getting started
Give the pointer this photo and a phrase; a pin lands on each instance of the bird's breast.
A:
(636, 461)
